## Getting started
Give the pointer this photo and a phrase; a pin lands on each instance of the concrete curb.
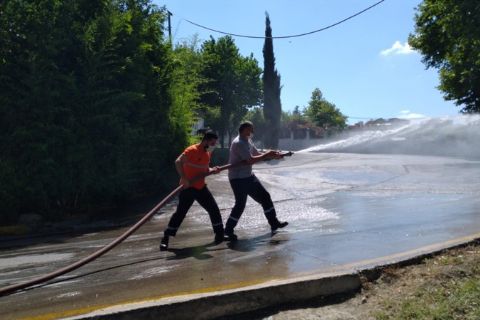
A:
(230, 302)
(345, 279)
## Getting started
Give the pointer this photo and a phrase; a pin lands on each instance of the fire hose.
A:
(15, 287)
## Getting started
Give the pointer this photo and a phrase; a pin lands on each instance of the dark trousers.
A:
(242, 188)
(185, 201)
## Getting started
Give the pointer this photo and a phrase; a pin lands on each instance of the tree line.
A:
(320, 115)
(95, 103)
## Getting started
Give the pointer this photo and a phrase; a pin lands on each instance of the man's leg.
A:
(206, 200)
(261, 195)
(240, 193)
(185, 201)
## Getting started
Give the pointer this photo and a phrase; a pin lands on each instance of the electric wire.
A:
(288, 36)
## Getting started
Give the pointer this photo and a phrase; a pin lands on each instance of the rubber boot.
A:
(231, 236)
(164, 243)
(219, 237)
(276, 224)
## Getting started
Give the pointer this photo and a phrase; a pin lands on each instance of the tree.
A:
(248, 93)
(272, 108)
(324, 113)
(447, 33)
(232, 85)
(255, 115)
(292, 120)
(87, 100)
(297, 122)
(187, 78)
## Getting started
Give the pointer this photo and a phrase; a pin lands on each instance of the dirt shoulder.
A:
(445, 286)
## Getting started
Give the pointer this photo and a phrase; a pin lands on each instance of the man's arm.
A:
(179, 162)
(254, 156)
(270, 154)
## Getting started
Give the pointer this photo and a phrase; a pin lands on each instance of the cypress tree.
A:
(272, 108)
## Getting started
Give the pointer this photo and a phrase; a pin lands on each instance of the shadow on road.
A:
(197, 252)
(249, 245)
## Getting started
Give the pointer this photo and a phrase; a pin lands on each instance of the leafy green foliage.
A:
(255, 115)
(447, 34)
(187, 82)
(232, 85)
(295, 118)
(324, 113)
(90, 107)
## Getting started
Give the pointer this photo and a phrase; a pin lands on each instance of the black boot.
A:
(219, 237)
(275, 224)
(231, 236)
(164, 243)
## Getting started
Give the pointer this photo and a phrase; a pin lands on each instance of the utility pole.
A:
(169, 26)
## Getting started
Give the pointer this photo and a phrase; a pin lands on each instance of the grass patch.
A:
(448, 288)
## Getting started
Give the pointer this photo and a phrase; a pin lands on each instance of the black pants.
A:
(242, 188)
(185, 201)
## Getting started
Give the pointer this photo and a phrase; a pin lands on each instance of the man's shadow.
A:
(197, 252)
(251, 244)
(243, 245)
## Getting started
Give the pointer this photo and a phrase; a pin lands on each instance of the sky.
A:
(364, 66)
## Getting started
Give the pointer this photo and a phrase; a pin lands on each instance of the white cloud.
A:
(407, 114)
(398, 48)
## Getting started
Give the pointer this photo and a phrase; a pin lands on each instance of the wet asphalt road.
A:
(342, 209)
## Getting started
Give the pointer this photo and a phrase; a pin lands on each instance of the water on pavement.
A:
(342, 208)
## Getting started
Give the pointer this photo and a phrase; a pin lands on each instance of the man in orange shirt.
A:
(192, 163)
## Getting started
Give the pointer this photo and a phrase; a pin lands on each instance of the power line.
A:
(290, 36)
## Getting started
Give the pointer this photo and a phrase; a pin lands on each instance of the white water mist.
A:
(457, 136)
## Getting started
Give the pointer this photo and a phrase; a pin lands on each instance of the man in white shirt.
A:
(244, 183)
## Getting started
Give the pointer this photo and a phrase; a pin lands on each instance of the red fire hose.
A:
(15, 287)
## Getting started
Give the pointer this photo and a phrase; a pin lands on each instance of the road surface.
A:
(343, 209)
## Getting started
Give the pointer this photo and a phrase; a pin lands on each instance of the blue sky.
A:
(363, 66)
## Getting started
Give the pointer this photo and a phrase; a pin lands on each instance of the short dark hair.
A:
(243, 125)
(209, 135)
